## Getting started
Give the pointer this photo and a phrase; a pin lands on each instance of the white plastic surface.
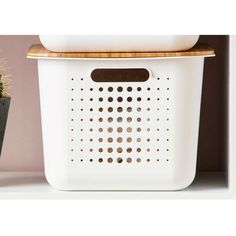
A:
(89, 43)
(157, 130)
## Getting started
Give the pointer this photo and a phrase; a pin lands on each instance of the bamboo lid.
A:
(39, 51)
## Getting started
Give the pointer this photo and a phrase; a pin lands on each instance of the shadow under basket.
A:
(4, 107)
(120, 121)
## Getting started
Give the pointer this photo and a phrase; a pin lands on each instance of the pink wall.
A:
(22, 149)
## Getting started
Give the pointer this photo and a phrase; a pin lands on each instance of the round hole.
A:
(119, 99)
(119, 150)
(72, 79)
(148, 99)
(148, 149)
(119, 119)
(100, 140)
(100, 150)
(148, 140)
(119, 160)
(91, 89)
(100, 89)
(110, 89)
(100, 109)
(139, 109)
(91, 140)
(129, 119)
(100, 160)
(110, 109)
(129, 150)
(129, 99)
(100, 119)
(119, 129)
(110, 99)
(119, 109)
(119, 89)
(129, 140)
(148, 160)
(138, 149)
(138, 160)
(100, 129)
(148, 89)
(139, 89)
(100, 99)
(129, 160)
(110, 140)
(72, 160)
(138, 140)
(158, 149)
(129, 129)
(110, 160)
(110, 129)
(110, 150)
(129, 109)
(119, 140)
(139, 99)
(110, 119)
(148, 109)
(91, 160)
(138, 119)
(91, 119)
(129, 89)
(139, 129)
(90, 149)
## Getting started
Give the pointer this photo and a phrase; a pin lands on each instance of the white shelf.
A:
(33, 185)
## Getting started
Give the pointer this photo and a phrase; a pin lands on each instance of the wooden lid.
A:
(39, 51)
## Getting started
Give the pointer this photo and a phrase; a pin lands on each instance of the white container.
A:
(120, 135)
(100, 43)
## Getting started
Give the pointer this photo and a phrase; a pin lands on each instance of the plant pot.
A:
(4, 107)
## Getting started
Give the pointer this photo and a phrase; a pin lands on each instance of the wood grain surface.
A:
(39, 51)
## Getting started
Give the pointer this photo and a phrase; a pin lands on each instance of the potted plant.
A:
(4, 103)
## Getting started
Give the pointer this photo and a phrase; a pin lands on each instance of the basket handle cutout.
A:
(120, 75)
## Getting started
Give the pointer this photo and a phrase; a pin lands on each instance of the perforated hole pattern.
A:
(120, 123)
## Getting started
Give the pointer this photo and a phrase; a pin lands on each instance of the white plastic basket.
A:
(120, 135)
